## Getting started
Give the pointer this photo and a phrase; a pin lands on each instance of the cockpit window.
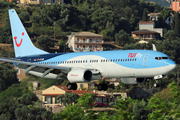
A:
(160, 58)
(165, 58)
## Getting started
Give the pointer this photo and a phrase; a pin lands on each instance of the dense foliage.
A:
(103, 17)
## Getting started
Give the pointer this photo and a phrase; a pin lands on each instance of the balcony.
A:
(147, 39)
(100, 42)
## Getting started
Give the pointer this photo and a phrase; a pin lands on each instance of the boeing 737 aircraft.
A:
(132, 66)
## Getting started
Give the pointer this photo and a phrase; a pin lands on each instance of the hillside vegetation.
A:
(165, 3)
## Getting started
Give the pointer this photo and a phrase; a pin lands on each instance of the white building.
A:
(85, 41)
(150, 25)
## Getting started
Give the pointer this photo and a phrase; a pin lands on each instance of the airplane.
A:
(132, 66)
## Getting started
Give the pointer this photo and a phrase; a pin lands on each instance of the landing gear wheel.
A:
(74, 86)
(100, 87)
(105, 87)
(69, 86)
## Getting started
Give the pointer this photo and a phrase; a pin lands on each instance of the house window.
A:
(84, 46)
(96, 46)
(81, 86)
(90, 40)
(48, 100)
(90, 46)
(77, 46)
(96, 40)
(84, 40)
(78, 40)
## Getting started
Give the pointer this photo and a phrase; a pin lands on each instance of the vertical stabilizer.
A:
(22, 43)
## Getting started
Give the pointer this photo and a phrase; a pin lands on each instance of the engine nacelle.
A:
(132, 80)
(79, 76)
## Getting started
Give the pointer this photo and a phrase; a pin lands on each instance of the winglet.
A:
(154, 47)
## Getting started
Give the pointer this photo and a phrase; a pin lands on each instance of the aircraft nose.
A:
(172, 65)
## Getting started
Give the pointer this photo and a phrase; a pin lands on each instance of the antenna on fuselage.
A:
(154, 47)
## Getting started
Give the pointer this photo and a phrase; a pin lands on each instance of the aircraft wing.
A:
(42, 68)
(60, 71)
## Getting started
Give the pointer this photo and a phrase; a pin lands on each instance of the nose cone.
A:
(171, 65)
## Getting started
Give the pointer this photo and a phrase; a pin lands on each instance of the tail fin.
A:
(22, 43)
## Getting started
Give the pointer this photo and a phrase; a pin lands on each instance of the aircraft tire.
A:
(74, 86)
(100, 87)
(105, 87)
(69, 86)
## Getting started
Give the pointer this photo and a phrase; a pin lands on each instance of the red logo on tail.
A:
(15, 38)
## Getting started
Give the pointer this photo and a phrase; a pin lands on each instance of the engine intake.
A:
(80, 75)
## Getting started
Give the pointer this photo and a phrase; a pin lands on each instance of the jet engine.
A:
(132, 80)
(80, 75)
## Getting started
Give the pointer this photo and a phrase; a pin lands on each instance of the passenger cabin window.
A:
(160, 58)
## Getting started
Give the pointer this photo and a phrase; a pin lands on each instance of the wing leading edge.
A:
(43, 68)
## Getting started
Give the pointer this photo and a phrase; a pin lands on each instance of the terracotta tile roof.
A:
(86, 34)
(66, 90)
(51, 94)
(144, 31)
(146, 22)
(63, 87)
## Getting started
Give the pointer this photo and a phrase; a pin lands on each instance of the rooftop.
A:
(144, 31)
(146, 22)
(153, 14)
(79, 92)
(87, 34)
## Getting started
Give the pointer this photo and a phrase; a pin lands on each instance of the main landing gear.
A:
(71, 86)
(102, 86)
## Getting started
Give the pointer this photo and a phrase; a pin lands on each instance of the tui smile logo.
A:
(15, 38)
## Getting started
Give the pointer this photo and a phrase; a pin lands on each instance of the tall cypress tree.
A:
(177, 24)
(145, 15)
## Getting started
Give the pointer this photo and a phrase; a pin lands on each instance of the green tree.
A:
(23, 112)
(145, 15)
(45, 43)
(5, 32)
(165, 105)
(8, 76)
(78, 110)
(62, 45)
(68, 98)
(24, 16)
(177, 24)
(27, 99)
(122, 38)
